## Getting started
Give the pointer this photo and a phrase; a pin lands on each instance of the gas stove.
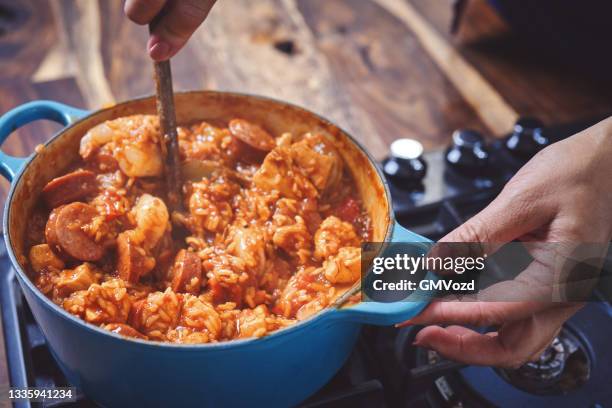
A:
(433, 192)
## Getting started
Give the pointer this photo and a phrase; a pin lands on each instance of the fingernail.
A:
(404, 324)
(160, 51)
(416, 343)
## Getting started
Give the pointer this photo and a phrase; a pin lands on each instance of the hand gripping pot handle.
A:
(24, 114)
(385, 314)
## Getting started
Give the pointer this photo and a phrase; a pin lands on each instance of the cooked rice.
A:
(271, 240)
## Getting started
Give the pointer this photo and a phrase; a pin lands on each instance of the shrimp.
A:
(139, 158)
(152, 218)
(134, 246)
(279, 172)
(95, 138)
(133, 141)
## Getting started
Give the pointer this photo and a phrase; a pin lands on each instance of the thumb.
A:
(511, 215)
(176, 24)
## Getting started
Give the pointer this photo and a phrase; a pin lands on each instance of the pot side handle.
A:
(387, 314)
(24, 114)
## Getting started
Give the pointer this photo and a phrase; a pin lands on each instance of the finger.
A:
(143, 11)
(528, 338)
(515, 212)
(536, 356)
(462, 345)
(516, 342)
(480, 314)
(533, 285)
(175, 27)
(559, 272)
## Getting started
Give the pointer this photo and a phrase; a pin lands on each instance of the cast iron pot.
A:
(280, 369)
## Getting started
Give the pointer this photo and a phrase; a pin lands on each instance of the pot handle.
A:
(24, 114)
(386, 314)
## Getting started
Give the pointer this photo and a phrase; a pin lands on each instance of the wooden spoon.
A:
(167, 122)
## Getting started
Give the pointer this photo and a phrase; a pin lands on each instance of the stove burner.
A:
(565, 365)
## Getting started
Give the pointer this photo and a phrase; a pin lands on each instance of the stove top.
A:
(433, 193)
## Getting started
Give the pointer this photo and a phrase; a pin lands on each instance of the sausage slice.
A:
(132, 260)
(69, 187)
(50, 230)
(251, 142)
(71, 236)
(136, 313)
(187, 273)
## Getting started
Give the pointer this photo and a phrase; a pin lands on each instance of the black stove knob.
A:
(405, 164)
(468, 153)
(526, 139)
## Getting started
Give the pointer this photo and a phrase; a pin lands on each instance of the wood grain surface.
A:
(381, 69)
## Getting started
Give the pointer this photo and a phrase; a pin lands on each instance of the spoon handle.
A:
(167, 122)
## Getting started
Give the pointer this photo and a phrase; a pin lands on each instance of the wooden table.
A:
(381, 69)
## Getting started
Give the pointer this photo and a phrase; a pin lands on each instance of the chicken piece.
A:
(71, 229)
(125, 330)
(134, 142)
(105, 303)
(311, 308)
(304, 286)
(294, 239)
(42, 257)
(201, 316)
(248, 243)
(132, 260)
(69, 187)
(209, 205)
(319, 160)
(287, 209)
(79, 278)
(345, 267)
(156, 314)
(332, 235)
(252, 322)
(280, 172)
(187, 273)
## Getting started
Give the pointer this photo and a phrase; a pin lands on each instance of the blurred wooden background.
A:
(381, 69)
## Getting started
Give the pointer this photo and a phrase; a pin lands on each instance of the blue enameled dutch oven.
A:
(281, 369)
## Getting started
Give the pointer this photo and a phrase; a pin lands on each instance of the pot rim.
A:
(326, 313)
